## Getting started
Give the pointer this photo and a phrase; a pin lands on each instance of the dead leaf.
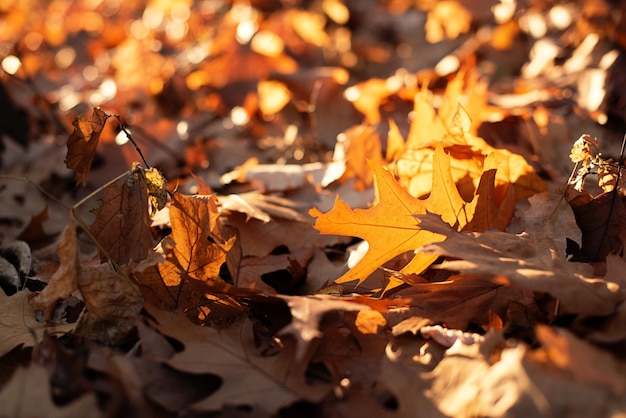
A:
(200, 245)
(586, 363)
(307, 312)
(389, 236)
(251, 270)
(361, 147)
(18, 323)
(64, 281)
(112, 307)
(264, 384)
(82, 143)
(370, 322)
(528, 261)
(603, 226)
(122, 224)
(28, 394)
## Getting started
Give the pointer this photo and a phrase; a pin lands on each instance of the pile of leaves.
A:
(332, 216)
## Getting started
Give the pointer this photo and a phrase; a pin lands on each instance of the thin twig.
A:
(130, 138)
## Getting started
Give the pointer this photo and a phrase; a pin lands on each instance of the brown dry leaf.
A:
(64, 281)
(28, 394)
(18, 323)
(122, 224)
(390, 228)
(586, 363)
(527, 261)
(465, 299)
(602, 221)
(307, 312)
(112, 306)
(262, 207)
(264, 384)
(251, 270)
(82, 143)
(200, 244)
(471, 381)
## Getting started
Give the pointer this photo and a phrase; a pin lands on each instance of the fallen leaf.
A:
(18, 323)
(64, 281)
(122, 224)
(586, 363)
(389, 236)
(528, 261)
(82, 143)
(264, 384)
(200, 245)
(252, 269)
(603, 227)
(112, 306)
(28, 394)
(361, 147)
(307, 312)
(447, 20)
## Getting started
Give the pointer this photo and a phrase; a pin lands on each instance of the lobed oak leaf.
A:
(389, 226)
(264, 384)
(200, 246)
(307, 312)
(468, 154)
(122, 224)
(18, 323)
(82, 143)
(527, 261)
(29, 394)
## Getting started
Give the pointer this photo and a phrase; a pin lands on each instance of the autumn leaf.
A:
(32, 383)
(360, 145)
(307, 312)
(527, 261)
(82, 143)
(390, 228)
(602, 221)
(248, 379)
(201, 244)
(122, 224)
(64, 281)
(18, 322)
(112, 306)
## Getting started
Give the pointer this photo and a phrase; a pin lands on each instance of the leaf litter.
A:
(331, 223)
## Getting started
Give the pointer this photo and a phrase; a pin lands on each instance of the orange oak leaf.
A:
(122, 224)
(82, 143)
(390, 227)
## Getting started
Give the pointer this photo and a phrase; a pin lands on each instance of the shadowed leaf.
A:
(82, 143)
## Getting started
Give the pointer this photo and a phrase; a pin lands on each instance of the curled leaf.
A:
(82, 143)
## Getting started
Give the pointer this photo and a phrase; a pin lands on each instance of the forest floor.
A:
(324, 208)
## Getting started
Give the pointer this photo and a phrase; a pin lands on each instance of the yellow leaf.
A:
(390, 227)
